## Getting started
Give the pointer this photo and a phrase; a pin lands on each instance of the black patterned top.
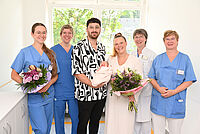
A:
(86, 60)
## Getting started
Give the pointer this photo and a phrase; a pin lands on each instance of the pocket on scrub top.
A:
(146, 68)
(179, 107)
(180, 77)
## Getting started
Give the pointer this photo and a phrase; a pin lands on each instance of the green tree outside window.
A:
(76, 17)
(113, 21)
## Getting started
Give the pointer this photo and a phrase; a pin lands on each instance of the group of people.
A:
(162, 100)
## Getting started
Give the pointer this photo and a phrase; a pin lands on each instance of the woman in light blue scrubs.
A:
(171, 74)
(64, 86)
(40, 109)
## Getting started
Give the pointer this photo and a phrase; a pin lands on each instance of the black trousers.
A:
(90, 111)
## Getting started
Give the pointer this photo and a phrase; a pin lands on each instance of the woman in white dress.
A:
(118, 119)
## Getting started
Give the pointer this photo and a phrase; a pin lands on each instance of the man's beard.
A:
(93, 37)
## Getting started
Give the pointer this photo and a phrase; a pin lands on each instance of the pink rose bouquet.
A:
(35, 79)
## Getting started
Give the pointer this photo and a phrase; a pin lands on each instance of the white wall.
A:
(10, 36)
(182, 16)
(17, 17)
(33, 11)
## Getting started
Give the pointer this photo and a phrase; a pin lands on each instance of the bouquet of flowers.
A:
(127, 83)
(35, 79)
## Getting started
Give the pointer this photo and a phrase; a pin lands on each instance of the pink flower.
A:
(113, 78)
(36, 77)
(34, 72)
(27, 79)
(40, 75)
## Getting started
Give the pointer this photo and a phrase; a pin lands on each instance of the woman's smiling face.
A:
(171, 42)
(120, 45)
(39, 34)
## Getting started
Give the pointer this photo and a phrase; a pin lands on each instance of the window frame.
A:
(97, 6)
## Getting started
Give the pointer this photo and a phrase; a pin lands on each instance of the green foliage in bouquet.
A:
(126, 80)
(34, 78)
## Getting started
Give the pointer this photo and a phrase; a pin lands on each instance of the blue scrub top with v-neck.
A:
(30, 56)
(64, 86)
(170, 75)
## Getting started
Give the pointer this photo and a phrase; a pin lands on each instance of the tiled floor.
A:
(68, 126)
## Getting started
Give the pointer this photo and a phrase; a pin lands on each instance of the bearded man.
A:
(87, 57)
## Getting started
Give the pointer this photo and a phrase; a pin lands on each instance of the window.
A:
(116, 16)
(115, 21)
(76, 17)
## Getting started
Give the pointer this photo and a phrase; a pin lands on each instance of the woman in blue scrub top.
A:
(64, 86)
(40, 109)
(171, 73)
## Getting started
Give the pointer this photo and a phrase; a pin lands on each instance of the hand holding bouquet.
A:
(35, 79)
(127, 83)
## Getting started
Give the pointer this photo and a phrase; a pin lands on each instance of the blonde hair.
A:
(66, 27)
(117, 36)
(169, 33)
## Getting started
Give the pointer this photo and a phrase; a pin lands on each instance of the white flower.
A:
(126, 70)
(50, 67)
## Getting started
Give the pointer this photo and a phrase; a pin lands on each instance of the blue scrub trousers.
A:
(59, 115)
(41, 117)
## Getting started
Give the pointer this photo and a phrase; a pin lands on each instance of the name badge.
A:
(180, 100)
(181, 72)
(144, 57)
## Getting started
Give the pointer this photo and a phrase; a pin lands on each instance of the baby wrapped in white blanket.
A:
(102, 75)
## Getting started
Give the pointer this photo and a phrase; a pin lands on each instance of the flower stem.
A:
(131, 106)
(45, 94)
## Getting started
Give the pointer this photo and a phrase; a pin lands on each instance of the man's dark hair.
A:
(93, 20)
